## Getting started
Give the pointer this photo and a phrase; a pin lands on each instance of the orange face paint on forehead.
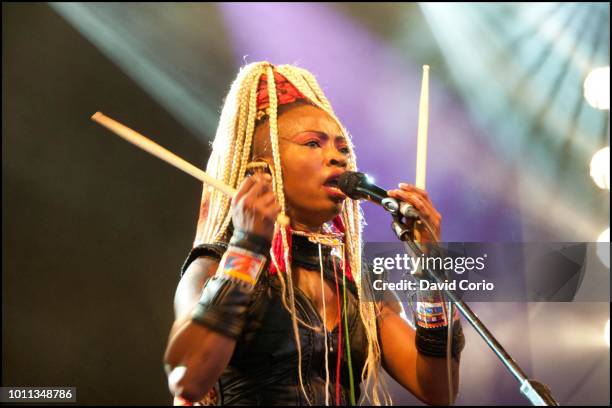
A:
(307, 118)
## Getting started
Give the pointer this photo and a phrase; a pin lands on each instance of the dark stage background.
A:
(94, 229)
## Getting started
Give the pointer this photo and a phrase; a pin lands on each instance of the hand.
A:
(254, 207)
(419, 199)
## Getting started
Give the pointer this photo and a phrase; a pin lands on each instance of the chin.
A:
(317, 211)
(333, 210)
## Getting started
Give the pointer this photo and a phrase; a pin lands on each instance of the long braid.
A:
(312, 81)
(246, 127)
(250, 124)
(243, 136)
(234, 150)
(238, 142)
(307, 84)
(300, 83)
(280, 194)
(296, 79)
(217, 166)
(215, 205)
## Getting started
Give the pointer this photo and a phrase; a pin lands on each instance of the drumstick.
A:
(158, 151)
(421, 160)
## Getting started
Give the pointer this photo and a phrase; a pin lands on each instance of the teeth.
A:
(335, 188)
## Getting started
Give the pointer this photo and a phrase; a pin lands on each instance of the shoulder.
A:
(201, 264)
(203, 255)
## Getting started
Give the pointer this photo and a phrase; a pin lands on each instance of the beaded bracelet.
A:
(432, 324)
(251, 242)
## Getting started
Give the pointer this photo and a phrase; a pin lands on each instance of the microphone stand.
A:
(536, 392)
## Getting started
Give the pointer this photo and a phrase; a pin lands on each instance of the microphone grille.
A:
(348, 183)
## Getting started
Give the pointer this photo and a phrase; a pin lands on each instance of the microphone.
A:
(357, 186)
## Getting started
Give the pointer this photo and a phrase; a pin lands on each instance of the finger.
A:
(426, 204)
(262, 189)
(413, 189)
(258, 188)
(263, 211)
(272, 212)
(266, 181)
(245, 186)
(262, 205)
(268, 198)
(427, 211)
(410, 198)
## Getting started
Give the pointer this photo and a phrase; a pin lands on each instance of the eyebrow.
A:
(337, 138)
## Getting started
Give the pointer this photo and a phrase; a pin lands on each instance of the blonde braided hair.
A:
(231, 153)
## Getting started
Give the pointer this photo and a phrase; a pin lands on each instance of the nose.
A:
(337, 158)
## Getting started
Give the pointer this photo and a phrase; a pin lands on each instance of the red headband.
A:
(285, 93)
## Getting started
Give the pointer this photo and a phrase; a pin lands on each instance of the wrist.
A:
(434, 342)
(251, 242)
(432, 328)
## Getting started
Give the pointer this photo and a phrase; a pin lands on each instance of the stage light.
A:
(597, 88)
(604, 236)
(600, 168)
(607, 333)
(603, 252)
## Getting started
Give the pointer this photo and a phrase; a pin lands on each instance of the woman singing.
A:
(271, 308)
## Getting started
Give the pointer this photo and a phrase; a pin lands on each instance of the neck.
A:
(299, 226)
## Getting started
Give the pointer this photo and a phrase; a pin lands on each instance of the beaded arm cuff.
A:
(432, 326)
(226, 297)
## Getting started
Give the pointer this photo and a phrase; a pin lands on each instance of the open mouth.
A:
(332, 188)
(332, 182)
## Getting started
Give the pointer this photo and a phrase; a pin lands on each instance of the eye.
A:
(345, 150)
(313, 143)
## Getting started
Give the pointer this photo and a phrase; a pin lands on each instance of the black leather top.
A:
(264, 367)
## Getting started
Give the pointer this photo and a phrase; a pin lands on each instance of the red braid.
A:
(277, 250)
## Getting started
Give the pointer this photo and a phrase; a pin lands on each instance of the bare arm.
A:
(195, 356)
(426, 377)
